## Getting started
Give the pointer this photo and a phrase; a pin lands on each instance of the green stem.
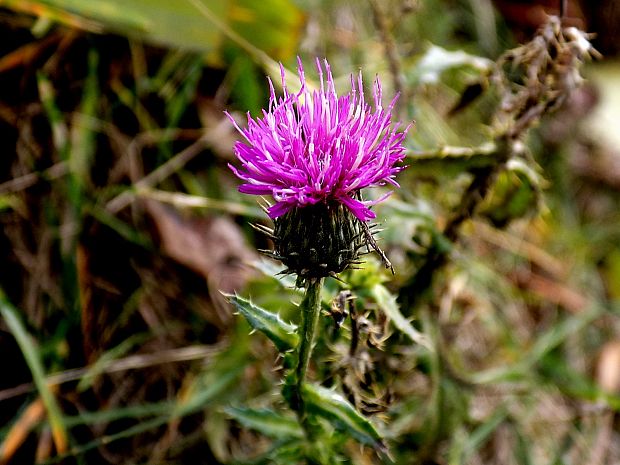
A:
(310, 310)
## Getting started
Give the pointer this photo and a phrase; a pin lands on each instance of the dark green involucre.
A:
(318, 240)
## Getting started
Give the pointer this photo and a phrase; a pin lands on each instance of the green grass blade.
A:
(545, 343)
(83, 135)
(133, 411)
(482, 433)
(31, 355)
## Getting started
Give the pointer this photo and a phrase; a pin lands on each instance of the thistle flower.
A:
(314, 152)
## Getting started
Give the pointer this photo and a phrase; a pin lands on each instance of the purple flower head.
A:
(313, 146)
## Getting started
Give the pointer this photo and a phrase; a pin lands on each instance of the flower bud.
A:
(318, 240)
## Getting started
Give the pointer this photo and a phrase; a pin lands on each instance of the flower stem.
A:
(310, 310)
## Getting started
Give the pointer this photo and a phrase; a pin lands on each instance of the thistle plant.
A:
(313, 152)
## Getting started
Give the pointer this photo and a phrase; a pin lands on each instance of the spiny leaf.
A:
(282, 334)
(335, 408)
(267, 422)
(388, 304)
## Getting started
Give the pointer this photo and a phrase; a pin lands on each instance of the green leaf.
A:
(271, 26)
(282, 334)
(388, 304)
(267, 422)
(274, 26)
(335, 408)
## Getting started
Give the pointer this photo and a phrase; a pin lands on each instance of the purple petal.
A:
(314, 146)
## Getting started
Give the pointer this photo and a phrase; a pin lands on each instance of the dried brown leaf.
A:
(211, 246)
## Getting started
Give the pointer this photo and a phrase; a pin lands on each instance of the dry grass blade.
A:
(180, 200)
(24, 182)
(132, 362)
(520, 246)
(162, 172)
(32, 416)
